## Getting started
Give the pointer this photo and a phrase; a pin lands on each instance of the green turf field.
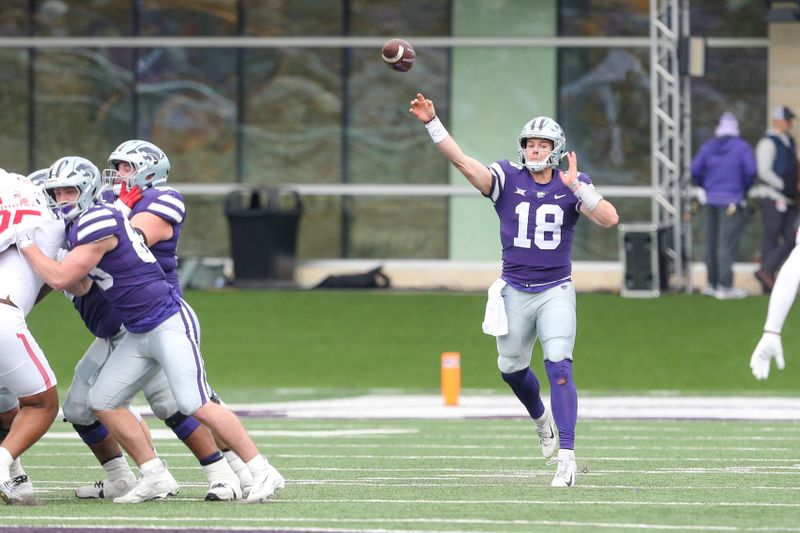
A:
(461, 475)
(258, 340)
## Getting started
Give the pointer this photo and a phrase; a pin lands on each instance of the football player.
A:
(28, 397)
(781, 299)
(158, 214)
(162, 331)
(538, 206)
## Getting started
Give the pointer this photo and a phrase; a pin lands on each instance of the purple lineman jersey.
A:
(166, 203)
(537, 225)
(128, 276)
(97, 313)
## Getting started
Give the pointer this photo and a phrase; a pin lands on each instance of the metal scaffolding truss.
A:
(670, 129)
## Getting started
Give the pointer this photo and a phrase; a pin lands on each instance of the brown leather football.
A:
(398, 54)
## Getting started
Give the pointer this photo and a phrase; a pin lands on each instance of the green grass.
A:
(340, 340)
(465, 475)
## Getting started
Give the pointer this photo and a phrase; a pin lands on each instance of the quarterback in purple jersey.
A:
(538, 206)
(162, 331)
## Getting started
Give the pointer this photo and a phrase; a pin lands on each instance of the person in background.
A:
(776, 156)
(725, 168)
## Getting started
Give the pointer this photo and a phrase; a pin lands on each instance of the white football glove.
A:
(61, 254)
(23, 237)
(769, 347)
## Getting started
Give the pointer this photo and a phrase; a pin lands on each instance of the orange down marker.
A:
(451, 377)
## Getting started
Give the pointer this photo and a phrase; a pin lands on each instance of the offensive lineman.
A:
(162, 330)
(538, 206)
(25, 374)
(157, 213)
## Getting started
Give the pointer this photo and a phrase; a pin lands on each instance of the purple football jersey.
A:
(128, 276)
(537, 225)
(166, 203)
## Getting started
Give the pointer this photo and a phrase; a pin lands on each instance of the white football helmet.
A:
(150, 165)
(542, 128)
(38, 177)
(73, 171)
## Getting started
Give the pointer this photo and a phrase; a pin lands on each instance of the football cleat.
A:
(22, 485)
(107, 488)
(548, 435)
(9, 493)
(156, 484)
(265, 483)
(223, 492)
(565, 473)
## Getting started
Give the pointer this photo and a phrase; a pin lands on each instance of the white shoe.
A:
(548, 434)
(9, 494)
(22, 485)
(241, 470)
(107, 488)
(710, 290)
(224, 491)
(156, 484)
(730, 293)
(265, 483)
(567, 468)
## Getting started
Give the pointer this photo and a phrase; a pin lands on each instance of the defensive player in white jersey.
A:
(25, 374)
(538, 206)
(781, 299)
(162, 331)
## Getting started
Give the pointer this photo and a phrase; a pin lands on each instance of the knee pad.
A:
(182, 425)
(91, 434)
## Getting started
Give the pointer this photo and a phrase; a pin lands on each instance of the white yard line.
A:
(506, 405)
(389, 521)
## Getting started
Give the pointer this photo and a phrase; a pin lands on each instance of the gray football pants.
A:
(548, 316)
(172, 346)
(76, 406)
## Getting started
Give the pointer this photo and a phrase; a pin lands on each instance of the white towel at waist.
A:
(495, 321)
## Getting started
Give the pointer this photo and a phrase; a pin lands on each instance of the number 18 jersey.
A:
(537, 226)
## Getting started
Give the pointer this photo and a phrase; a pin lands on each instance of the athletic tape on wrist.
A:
(588, 196)
(436, 130)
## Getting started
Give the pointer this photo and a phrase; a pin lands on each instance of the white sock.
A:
(219, 471)
(16, 468)
(150, 465)
(116, 468)
(5, 464)
(239, 467)
(540, 422)
(257, 463)
(566, 454)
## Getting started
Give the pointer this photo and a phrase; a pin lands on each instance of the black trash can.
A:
(263, 226)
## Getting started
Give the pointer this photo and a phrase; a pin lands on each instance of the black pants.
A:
(724, 231)
(779, 235)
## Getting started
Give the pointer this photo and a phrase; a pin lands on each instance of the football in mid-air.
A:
(398, 55)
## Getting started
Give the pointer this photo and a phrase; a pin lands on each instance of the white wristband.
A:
(436, 130)
(588, 196)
